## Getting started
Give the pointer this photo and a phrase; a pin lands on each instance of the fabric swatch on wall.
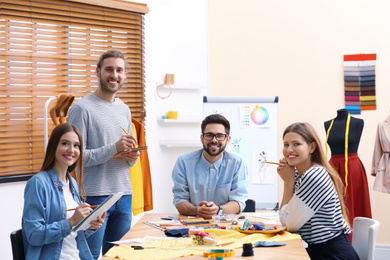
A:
(359, 82)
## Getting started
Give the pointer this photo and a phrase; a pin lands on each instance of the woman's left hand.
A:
(96, 224)
(285, 171)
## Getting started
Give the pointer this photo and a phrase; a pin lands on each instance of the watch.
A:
(220, 211)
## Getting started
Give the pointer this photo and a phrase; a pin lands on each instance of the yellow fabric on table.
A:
(223, 236)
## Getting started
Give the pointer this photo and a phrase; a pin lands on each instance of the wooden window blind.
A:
(49, 47)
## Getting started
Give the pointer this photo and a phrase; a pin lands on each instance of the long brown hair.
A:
(55, 137)
(310, 135)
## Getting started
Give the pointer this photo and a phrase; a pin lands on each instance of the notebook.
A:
(98, 211)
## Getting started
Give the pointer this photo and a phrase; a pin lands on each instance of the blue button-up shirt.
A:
(44, 222)
(195, 179)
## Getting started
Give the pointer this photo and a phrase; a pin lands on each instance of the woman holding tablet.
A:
(46, 224)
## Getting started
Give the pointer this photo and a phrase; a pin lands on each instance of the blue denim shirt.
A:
(44, 222)
(195, 179)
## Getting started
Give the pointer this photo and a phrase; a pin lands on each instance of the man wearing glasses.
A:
(210, 181)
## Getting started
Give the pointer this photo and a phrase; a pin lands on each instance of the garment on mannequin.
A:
(347, 163)
(381, 157)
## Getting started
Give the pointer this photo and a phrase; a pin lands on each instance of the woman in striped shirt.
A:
(312, 203)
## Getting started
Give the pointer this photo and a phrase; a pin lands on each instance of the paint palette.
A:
(272, 231)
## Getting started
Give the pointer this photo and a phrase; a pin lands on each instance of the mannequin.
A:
(357, 198)
(336, 139)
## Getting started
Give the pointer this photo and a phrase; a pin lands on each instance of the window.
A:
(49, 47)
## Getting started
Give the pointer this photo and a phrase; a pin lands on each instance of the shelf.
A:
(181, 143)
(183, 86)
(180, 120)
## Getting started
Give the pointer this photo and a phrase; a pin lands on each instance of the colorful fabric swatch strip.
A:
(359, 82)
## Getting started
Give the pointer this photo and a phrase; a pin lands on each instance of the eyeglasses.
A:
(210, 136)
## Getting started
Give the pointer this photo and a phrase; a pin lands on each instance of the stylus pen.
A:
(94, 206)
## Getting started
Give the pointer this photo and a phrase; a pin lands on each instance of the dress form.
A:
(336, 139)
(349, 166)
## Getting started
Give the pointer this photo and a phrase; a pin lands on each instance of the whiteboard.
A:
(253, 131)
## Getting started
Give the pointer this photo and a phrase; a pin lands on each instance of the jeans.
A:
(338, 248)
(116, 224)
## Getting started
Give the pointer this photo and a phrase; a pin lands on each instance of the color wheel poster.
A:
(254, 116)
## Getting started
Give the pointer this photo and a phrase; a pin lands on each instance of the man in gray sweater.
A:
(105, 124)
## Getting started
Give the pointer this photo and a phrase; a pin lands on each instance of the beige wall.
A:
(294, 50)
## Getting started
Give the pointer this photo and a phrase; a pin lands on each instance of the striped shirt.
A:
(321, 207)
(100, 122)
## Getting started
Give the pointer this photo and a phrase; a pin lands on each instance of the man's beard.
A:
(104, 88)
(217, 152)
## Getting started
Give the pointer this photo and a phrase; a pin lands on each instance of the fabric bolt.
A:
(361, 57)
(367, 98)
(367, 63)
(352, 68)
(351, 83)
(367, 83)
(352, 103)
(351, 88)
(352, 93)
(359, 78)
(373, 107)
(359, 68)
(351, 73)
(352, 107)
(367, 88)
(355, 112)
(368, 103)
(351, 64)
(367, 78)
(367, 93)
(352, 98)
(357, 199)
(367, 68)
(351, 78)
(380, 160)
(367, 73)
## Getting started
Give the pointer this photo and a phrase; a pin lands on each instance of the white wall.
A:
(176, 42)
(294, 50)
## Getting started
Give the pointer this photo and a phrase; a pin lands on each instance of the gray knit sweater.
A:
(100, 122)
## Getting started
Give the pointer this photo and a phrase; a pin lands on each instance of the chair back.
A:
(17, 245)
(250, 206)
(364, 235)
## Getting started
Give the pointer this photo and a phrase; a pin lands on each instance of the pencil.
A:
(94, 206)
(225, 244)
(271, 162)
(125, 131)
